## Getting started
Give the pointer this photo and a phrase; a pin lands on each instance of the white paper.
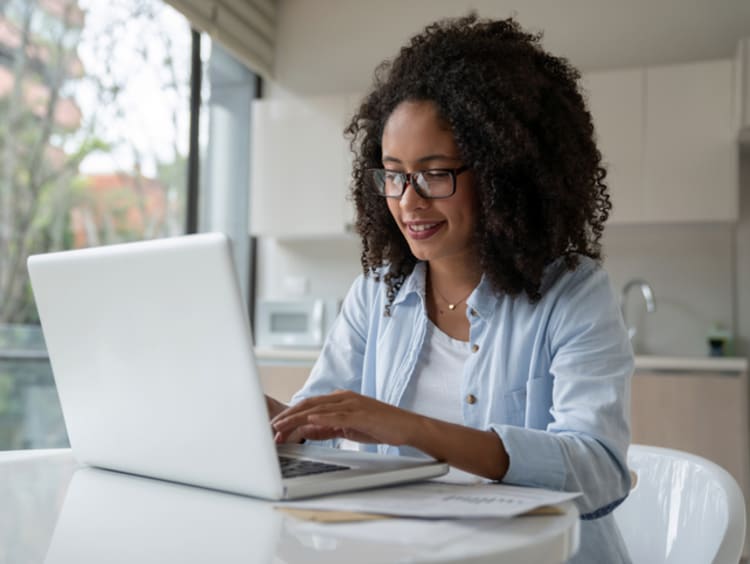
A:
(434, 500)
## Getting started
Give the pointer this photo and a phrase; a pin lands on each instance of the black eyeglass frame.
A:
(409, 180)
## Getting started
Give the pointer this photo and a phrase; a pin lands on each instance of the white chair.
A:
(683, 509)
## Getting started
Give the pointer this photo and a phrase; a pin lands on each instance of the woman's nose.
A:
(411, 199)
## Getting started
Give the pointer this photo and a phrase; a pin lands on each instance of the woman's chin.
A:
(420, 253)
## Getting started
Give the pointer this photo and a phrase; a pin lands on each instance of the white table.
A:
(53, 511)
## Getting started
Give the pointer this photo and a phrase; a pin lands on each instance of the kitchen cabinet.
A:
(616, 102)
(300, 167)
(691, 161)
(702, 412)
(668, 135)
(282, 381)
(742, 89)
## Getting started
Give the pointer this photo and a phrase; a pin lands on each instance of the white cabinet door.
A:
(691, 154)
(300, 167)
(616, 102)
(742, 90)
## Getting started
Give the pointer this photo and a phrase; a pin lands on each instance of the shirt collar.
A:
(414, 284)
(483, 299)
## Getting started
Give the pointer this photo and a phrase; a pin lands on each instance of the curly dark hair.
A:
(522, 126)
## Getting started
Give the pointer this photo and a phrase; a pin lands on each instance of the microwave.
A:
(302, 323)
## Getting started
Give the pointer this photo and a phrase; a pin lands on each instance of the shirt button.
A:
(474, 348)
(471, 399)
(473, 312)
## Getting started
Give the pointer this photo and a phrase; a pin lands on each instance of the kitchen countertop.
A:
(267, 355)
(690, 363)
(642, 362)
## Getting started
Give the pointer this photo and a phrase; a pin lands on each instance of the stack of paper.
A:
(435, 500)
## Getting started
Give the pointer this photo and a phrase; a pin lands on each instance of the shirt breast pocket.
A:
(515, 407)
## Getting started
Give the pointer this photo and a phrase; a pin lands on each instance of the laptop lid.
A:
(151, 353)
(152, 356)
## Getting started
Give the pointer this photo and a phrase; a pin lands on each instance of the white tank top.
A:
(435, 386)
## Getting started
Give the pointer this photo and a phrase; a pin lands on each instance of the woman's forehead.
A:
(411, 111)
(415, 130)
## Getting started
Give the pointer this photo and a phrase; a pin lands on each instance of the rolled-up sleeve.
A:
(584, 446)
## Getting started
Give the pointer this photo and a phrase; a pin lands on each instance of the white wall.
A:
(328, 267)
(700, 273)
(689, 268)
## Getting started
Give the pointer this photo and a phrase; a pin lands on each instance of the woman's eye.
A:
(435, 174)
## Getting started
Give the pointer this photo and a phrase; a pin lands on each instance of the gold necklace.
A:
(451, 306)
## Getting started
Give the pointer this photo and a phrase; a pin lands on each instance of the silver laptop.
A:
(152, 357)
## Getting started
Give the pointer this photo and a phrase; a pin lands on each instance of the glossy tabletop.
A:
(53, 511)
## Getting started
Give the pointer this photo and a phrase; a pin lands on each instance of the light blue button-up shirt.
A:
(552, 379)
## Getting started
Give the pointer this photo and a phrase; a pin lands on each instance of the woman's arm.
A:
(352, 416)
(583, 445)
(473, 450)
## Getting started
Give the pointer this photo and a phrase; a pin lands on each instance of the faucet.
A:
(648, 296)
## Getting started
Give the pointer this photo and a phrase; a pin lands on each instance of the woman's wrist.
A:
(473, 450)
(424, 433)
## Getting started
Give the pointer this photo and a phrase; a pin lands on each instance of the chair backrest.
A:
(683, 509)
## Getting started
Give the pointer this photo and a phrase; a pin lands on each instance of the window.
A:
(229, 89)
(95, 120)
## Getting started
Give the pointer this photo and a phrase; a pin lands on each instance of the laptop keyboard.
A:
(294, 467)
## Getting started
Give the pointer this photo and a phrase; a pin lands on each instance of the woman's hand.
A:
(346, 415)
(363, 419)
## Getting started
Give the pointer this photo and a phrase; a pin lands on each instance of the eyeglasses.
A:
(432, 184)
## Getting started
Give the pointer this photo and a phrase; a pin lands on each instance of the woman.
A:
(483, 331)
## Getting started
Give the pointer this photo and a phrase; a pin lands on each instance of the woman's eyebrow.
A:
(438, 157)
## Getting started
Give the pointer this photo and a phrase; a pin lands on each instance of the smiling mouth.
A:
(423, 230)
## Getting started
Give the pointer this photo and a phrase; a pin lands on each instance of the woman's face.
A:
(415, 138)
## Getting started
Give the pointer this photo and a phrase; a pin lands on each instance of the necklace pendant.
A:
(451, 306)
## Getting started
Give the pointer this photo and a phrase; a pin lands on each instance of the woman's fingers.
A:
(335, 419)
(298, 414)
(361, 426)
(309, 432)
(323, 425)
(343, 415)
(310, 404)
(288, 422)
(313, 432)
